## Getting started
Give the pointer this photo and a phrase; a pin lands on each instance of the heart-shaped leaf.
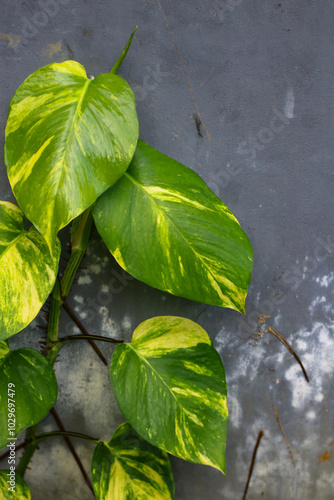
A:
(27, 271)
(129, 468)
(28, 382)
(170, 385)
(9, 491)
(165, 227)
(68, 139)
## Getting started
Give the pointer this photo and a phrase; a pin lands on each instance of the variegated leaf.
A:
(129, 468)
(169, 382)
(8, 491)
(68, 139)
(165, 227)
(35, 389)
(27, 271)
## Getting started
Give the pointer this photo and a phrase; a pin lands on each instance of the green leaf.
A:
(170, 385)
(35, 388)
(129, 468)
(19, 491)
(27, 271)
(165, 227)
(68, 139)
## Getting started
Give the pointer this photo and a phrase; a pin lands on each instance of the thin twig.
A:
(72, 449)
(81, 327)
(259, 332)
(186, 71)
(260, 436)
(261, 318)
(272, 330)
(284, 435)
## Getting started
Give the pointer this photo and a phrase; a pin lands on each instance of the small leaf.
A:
(27, 271)
(19, 491)
(165, 227)
(68, 139)
(129, 468)
(170, 385)
(35, 390)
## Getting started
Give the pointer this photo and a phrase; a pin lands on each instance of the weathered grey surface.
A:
(245, 64)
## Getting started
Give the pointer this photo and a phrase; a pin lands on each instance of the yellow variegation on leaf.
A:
(165, 227)
(19, 491)
(169, 383)
(129, 468)
(27, 271)
(68, 139)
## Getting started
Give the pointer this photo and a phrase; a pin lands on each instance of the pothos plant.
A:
(72, 154)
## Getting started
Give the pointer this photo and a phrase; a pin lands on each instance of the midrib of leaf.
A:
(122, 461)
(70, 134)
(221, 295)
(157, 374)
(13, 242)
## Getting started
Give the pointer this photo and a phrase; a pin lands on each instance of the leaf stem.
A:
(81, 228)
(54, 315)
(29, 451)
(46, 435)
(122, 56)
(80, 234)
(91, 337)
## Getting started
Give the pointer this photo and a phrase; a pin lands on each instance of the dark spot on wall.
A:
(86, 31)
(198, 124)
(69, 50)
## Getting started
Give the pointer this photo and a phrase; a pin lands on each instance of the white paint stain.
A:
(311, 415)
(325, 280)
(126, 322)
(95, 268)
(320, 302)
(84, 280)
(318, 361)
(289, 104)
(301, 345)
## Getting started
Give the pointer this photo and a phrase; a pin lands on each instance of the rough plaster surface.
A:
(262, 75)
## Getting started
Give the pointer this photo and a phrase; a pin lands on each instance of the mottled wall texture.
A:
(262, 76)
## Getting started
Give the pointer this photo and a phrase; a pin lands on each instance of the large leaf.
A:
(68, 139)
(27, 271)
(129, 468)
(170, 385)
(35, 389)
(165, 227)
(19, 491)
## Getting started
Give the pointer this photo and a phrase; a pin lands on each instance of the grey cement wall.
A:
(249, 62)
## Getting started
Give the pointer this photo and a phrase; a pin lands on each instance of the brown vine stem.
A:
(72, 449)
(272, 330)
(81, 327)
(186, 71)
(258, 441)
